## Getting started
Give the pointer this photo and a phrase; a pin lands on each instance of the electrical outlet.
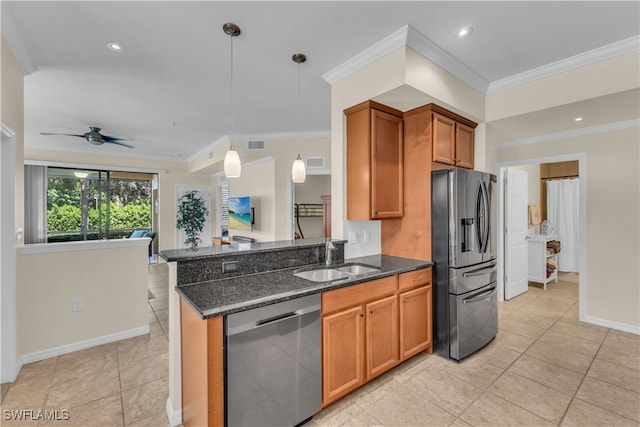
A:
(352, 237)
(77, 304)
(366, 236)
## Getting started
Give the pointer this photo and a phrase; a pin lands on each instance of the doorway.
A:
(502, 220)
(310, 208)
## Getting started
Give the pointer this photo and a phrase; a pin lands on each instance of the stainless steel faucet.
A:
(328, 250)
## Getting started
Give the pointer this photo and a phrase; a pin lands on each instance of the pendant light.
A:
(298, 170)
(232, 165)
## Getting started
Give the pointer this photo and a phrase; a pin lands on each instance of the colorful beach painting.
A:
(240, 213)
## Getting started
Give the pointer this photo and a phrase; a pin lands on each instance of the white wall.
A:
(258, 182)
(111, 277)
(612, 212)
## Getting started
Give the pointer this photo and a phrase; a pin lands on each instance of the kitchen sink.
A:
(322, 275)
(326, 274)
(357, 269)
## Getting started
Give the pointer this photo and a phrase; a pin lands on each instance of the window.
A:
(85, 204)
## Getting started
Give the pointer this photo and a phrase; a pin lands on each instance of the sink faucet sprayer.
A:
(328, 249)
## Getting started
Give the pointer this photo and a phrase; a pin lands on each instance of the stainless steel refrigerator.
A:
(465, 311)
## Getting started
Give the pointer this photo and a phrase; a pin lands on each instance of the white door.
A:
(517, 187)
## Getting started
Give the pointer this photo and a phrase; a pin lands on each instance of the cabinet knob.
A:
(417, 279)
(361, 314)
(370, 311)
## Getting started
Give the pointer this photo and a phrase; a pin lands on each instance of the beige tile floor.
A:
(544, 368)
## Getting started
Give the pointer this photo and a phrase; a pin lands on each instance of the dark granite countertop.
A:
(226, 296)
(239, 248)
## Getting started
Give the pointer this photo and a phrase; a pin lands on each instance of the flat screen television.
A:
(240, 213)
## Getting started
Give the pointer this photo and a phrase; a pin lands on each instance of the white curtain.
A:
(35, 204)
(562, 211)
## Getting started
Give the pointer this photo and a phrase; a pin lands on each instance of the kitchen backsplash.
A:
(363, 238)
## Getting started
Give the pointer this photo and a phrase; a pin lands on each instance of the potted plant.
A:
(192, 214)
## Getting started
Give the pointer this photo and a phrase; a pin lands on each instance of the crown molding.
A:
(388, 44)
(427, 48)
(580, 60)
(609, 127)
(410, 37)
(12, 36)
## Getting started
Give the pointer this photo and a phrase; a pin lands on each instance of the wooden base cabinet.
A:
(416, 328)
(369, 328)
(415, 322)
(358, 337)
(342, 353)
(381, 319)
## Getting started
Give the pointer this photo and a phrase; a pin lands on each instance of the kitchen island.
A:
(221, 281)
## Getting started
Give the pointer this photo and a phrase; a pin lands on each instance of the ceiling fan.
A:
(94, 137)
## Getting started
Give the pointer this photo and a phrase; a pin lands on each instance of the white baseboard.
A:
(80, 345)
(612, 325)
(175, 417)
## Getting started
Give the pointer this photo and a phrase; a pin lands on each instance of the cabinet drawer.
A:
(358, 294)
(415, 279)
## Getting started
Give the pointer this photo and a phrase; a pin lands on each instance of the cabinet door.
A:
(342, 353)
(386, 165)
(415, 322)
(464, 146)
(443, 139)
(382, 335)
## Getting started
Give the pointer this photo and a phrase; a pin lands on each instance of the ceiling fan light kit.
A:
(232, 165)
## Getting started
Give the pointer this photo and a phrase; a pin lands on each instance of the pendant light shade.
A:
(298, 170)
(232, 165)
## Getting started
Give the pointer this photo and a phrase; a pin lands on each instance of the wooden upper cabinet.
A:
(374, 162)
(452, 138)
(464, 146)
(444, 130)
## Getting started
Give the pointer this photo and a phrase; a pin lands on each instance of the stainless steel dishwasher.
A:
(273, 364)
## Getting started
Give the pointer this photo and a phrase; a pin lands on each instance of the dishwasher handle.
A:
(265, 321)
(277, 318)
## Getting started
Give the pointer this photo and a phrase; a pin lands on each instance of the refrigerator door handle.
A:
(478, 272)
(481, 296)
(482, 213)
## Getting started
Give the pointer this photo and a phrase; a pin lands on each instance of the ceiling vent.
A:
(315, 162)
(255, 145)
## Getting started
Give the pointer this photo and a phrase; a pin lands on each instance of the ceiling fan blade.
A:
(115, 141)
(108, 138)
(65, 134)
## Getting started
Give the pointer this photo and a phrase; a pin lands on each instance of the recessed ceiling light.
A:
(464, 31)
(578, 119)
(116, 47)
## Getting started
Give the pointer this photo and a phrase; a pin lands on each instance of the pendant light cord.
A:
(299, 107)
(231, 92)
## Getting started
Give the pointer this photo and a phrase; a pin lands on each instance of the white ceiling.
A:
(169, 88)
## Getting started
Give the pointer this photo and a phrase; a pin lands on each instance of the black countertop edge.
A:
(241, 248)
(227, 296)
